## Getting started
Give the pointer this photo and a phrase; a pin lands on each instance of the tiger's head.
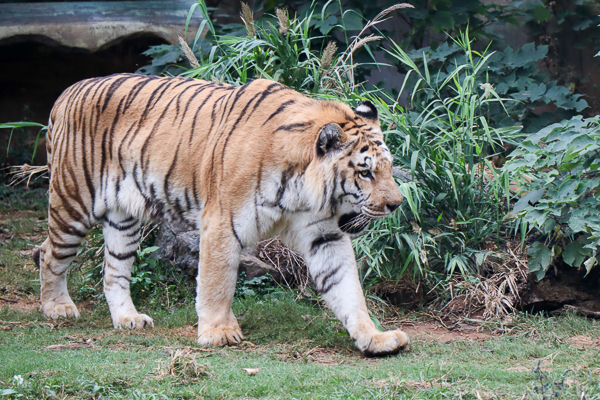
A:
(357, 166)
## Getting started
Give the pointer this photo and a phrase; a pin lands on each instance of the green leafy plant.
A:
(456, 198)
(286, 49)
(560, 171)
(546, 387)
(513, 74)
(143, 280)
(258, 286)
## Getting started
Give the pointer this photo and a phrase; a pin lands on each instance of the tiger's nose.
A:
(392, 206)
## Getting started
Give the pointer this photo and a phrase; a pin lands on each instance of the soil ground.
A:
(293, 349)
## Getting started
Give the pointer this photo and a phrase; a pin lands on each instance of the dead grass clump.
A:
(494, 296)
(22, 173)
(317, 355)
(184, 367)
(287, 262)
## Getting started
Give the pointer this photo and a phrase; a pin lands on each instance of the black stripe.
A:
(114, 86)
(135, 91)
(198, 110)
(67, 204)
(164, 86)
(62, 245)
(293, 127)
(324, 240)
(63, 226)
(283, 184)
(333, 199)
(234, 231)
(134, 233)
(233, 128)
(122, 256)
(329, 273)
(327, 288)
(263, 95)
(195, 191)
(170, 171)
(256, 194)
(279, 110)
(119, 225)
(62, 256)
(121, 277)
(146, 160)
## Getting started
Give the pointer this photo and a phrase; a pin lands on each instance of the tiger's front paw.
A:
(55, 309)
(224, 336)
(134, 321)
(385, 343)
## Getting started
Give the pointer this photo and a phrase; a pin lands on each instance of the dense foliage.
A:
(560, 167)
(456, 197)
(515, 76)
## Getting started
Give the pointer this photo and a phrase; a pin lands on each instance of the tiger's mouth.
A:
(354, 223)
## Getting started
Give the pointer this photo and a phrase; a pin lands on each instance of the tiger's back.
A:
(165, 145)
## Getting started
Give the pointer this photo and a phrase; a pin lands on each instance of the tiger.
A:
(237, 163)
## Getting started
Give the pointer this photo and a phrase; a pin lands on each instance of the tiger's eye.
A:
(365, 174)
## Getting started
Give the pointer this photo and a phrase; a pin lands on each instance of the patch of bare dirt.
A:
(543, 364)
(432, 331)
(188, 332)
(20, 303)
(16, 214)
(584, 342)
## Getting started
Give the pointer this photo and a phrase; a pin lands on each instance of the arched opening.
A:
(34, 71)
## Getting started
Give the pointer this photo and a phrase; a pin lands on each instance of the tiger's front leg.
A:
(332, 265)
(217, 275)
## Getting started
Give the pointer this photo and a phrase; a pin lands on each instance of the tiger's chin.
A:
(354, 224)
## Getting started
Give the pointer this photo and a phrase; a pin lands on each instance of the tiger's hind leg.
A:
(67, 227)
(121, 239)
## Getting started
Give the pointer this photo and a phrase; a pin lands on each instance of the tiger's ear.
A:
(331, 138)
(367, 110)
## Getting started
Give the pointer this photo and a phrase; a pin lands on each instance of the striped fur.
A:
(239, 164)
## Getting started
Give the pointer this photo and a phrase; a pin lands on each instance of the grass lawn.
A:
(299, 349)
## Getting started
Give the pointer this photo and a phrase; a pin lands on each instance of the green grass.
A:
(301, 351)
(123, 363)
(12, 199)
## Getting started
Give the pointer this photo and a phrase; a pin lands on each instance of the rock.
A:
(179, 247)
(404, 174)
(562, 286)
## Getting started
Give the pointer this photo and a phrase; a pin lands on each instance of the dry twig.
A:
(286, 261)
(184, 367)
(22, 173)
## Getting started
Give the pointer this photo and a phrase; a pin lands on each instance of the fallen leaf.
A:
(251, 371)
(596, 371)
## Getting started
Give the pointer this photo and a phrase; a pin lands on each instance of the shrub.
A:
(455, 197)
(560, 170)
(514, 74)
